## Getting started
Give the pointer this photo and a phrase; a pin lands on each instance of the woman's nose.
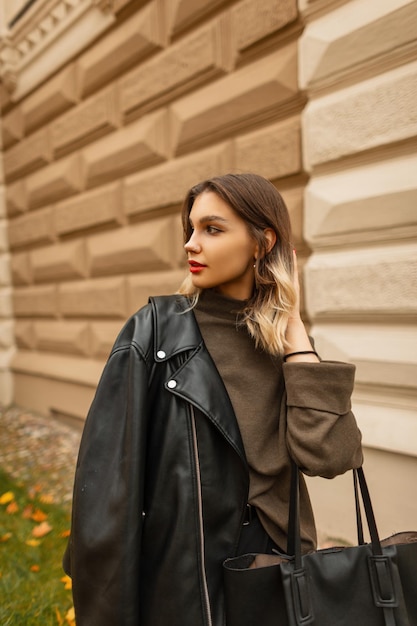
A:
(192, 244)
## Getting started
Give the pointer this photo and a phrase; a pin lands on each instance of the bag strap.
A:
(359, 523)
(360, 485)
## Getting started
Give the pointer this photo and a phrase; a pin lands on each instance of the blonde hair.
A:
(261, 206)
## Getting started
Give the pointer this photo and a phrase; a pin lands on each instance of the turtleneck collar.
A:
(218, 305)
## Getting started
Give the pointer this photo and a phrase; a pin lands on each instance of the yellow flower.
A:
(33, 543)
(68, 582)
(70, 617)
(7, 497)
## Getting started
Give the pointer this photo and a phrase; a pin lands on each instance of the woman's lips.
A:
(195, 267)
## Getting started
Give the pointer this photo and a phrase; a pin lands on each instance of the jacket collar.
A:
(175, 327)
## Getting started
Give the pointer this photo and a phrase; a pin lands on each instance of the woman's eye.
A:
(212, 230)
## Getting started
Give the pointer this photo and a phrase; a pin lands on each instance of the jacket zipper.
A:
(200, 518)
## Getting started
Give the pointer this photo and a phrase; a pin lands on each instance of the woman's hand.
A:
(296, 334)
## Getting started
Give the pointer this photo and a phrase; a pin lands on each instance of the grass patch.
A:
(32, 540)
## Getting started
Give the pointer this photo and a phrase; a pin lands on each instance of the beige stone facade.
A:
(111, 109)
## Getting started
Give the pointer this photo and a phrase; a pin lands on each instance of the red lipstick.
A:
(196, 267)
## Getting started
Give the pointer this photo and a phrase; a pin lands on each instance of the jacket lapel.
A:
(197, 379)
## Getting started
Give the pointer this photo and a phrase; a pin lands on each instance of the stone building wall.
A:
(358, 68)
(103, 135)
(6, 308)
(112, 109)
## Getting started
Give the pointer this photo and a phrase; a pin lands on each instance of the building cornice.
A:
(46, 37)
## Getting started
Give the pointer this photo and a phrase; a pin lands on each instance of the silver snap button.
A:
(172, 384)
(161, 354)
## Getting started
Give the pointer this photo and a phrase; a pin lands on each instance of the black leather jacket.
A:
(161, 461)
(162, 479)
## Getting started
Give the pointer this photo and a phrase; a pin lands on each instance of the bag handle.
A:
(294, 535)
(384, 589)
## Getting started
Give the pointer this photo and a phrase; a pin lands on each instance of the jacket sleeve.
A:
(322, 435)
(103, 551)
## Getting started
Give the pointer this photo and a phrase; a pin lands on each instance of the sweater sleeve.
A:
(322, 435)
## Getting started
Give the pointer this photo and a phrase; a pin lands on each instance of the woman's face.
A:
(221, 252)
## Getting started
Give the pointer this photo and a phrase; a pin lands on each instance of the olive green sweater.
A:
(302, 409)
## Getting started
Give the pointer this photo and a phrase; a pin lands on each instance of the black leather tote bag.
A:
(371, 584)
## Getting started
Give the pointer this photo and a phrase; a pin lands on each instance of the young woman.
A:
(206, 396)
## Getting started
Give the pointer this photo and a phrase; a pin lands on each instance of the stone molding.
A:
(46, 37)
(8, 64)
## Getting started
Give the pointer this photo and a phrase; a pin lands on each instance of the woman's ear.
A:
(271, 238)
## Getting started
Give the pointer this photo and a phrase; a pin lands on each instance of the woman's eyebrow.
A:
(211, 218)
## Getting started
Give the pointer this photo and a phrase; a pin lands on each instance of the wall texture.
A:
(98, 156)
(358, 69)
(112, 109)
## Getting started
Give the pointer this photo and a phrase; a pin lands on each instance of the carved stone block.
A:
(88, 121)
(232, 103)
(24, 335)
(59, 262)
(105, 297)
(132, 41)
(165, 185)
(373, 283)
(67, 337)
(6, 308)
(102, 206)
(371, 114)
(7, 341)
(371, 203)
(294, 199)
(53, 98)
(4, 270)
(16, 198)
(253, 21)
(273, 152)
(355, 38)
(182, 13)
(38, 301)
(142, 286)
(62, 383)
(37, 227)
(54, 182)
(5, 97)
(103, 336)
(147, 246)
(4, 242)
(138, 145)
(384, 354)
(193, 60)
(3, 207)
(12, 127)
(20, 269)
(28, 155)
